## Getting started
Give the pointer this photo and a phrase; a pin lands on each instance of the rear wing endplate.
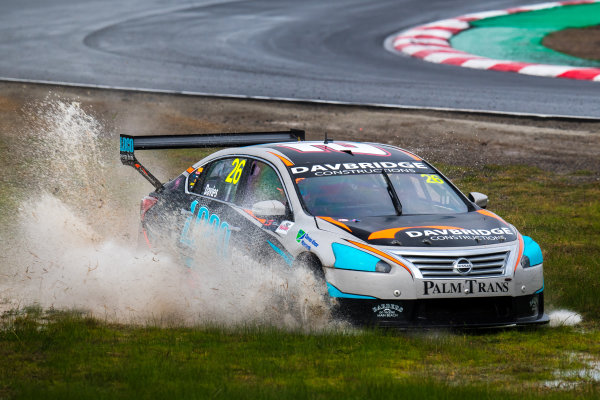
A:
(128, 144)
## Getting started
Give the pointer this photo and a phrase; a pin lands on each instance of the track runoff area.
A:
(507, 40)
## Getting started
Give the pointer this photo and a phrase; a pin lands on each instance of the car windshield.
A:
(366, 195)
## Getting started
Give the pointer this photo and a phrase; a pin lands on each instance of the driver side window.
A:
(262, 183)
(221, 179)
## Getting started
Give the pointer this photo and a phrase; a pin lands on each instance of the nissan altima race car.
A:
(393, 240)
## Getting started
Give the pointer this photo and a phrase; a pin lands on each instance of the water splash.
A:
(74, 246)
(564, 318)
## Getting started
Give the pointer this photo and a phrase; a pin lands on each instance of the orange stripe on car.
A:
(282, 158)
(491, 214)
(391, 233)
(261, 220)
(414, 156)
(381, 254)
(521, 246)
(338, 223)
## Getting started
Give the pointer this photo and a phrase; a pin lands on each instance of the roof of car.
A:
(310, 152)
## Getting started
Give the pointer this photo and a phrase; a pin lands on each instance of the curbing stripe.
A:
(482, 15)
(431, 43)
(545, 70)
(582, 74)
(459, 61)
(480, 63)
(450, 23)
(441, 57)
(510, 66)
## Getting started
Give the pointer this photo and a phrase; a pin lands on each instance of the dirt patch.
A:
(469, 140)
(576, 42)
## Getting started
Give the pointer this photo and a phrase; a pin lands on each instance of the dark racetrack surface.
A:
(310, 50)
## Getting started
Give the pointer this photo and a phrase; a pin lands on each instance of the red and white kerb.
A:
(431, 42)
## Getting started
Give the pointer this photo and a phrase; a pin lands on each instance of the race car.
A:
(393, 240)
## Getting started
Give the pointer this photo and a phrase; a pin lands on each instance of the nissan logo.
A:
(462, 266)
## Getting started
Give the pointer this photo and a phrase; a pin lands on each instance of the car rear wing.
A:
(128, 144)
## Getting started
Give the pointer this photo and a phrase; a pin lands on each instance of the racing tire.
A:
(313, 264)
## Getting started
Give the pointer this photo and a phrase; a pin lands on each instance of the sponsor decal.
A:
(468, 286)
(339, 147)
(215, 230)
(210, 191)
(435, 179)
(305, 240)
(360, 168)
(126, 144)
(284, 227)
(457, 232)
(461, 234)
(444, 233)
(236, 173)
(194, 177)
(388, 310)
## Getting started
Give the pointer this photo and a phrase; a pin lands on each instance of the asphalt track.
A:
(307, 50)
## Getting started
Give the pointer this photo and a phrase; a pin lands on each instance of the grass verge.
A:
(64, 355)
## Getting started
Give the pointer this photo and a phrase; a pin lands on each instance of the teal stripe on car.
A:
(335, 292)
(347, 257)
(286, 257)
(532, 251)
(541, 290)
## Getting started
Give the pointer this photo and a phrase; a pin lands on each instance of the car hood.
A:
(474, 228)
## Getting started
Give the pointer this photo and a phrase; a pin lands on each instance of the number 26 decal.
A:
(236, 172)
(432, 178)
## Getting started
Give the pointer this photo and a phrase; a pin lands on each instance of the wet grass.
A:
(68, 355)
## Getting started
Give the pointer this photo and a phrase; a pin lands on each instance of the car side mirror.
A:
(268, 208)
(479, 198)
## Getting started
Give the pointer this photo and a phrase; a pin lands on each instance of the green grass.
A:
(72, 356)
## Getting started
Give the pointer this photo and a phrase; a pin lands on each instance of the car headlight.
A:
(532, 254)
(382, 266)
(347, 257)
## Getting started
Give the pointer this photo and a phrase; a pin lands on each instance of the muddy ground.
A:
(576, 42)
(471, 140)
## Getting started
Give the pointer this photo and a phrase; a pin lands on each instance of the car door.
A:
(219, 212)
(212, 223)
(261, 182)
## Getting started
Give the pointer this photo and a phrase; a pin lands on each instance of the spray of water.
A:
(564, 318)
(74, 245)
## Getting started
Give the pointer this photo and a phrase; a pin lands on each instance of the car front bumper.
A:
(447, 313)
